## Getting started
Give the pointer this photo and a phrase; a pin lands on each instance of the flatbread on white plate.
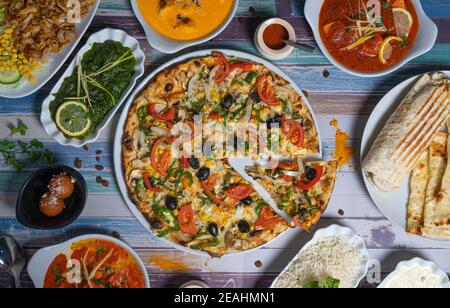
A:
(437, 207)
(408, 132)
(418, 186)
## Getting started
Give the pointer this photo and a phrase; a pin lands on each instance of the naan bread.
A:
(418, 187)
(408, 132)
(437, 208)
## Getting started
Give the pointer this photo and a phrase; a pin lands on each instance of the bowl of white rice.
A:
(335, 258)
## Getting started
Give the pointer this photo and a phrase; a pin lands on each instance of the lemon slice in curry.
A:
(403, 21)
(72, 119)
(386, 48)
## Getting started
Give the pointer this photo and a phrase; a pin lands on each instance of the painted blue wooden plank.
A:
(378, 233)
(134, 233)
(11, 181)
(308, 77)
(115, 5)
(440, 54)
(436, 9)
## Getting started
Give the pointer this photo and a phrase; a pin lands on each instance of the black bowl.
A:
(27, 208)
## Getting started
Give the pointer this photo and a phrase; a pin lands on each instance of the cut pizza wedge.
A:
(304, 197)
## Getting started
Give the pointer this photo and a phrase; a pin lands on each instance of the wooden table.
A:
(332, 93)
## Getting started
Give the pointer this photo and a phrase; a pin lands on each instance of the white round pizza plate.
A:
(119, 133)
(393, 205)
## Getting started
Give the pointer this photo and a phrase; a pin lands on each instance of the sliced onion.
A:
(160, 106)
(136, 134)
(301, 167)
(212, 75)
(248, 112)
(239, 212)
(141, 140)
(191, 86)
(136, 174)
(141, 101)
(158, 131)
(272, 113)
(141, 163)
(291, 173)
(284, 93)
(230, 77)
(211, 84)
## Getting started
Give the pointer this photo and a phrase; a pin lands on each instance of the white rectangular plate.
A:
(48, 70)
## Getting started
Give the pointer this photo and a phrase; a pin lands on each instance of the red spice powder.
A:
(273, 36)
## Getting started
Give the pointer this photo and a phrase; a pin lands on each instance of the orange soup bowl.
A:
(210, 23)
(351, 36)
(106, 261)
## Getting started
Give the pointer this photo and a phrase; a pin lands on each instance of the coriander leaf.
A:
(16, 154)
(36, 144)
(329, 283)
(6, 145)
(34, 156)
(100, 250)
(385, 5)
(332, 283)
(23, 147)
(12, 161)
(48, 157)
(20, 129)
(311, 285)
(58, 276)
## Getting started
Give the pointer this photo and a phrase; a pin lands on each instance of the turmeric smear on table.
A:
(169, 265)
(343, 151)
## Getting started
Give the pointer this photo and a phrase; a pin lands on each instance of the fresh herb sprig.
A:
(17, 153)
(329, 283)
(59, 277)
(20, 129)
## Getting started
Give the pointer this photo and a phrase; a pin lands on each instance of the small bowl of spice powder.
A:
(269, 39)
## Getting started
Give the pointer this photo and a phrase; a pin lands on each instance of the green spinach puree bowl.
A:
(92, 89)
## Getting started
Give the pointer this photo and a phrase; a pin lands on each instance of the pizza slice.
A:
(304, 197)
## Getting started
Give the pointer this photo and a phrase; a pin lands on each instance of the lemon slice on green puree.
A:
(72, 118)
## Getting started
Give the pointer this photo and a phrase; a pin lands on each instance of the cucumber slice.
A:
(10, 77)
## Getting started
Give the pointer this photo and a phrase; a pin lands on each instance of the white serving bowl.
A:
(421, 263)
(426, 38)
(170, 46)
(99, 37)
(41, 260)
(48, 70)
(350, 236)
